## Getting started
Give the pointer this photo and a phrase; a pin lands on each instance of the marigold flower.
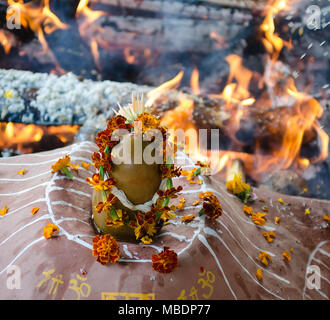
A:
(286, 255)
(34, 210)
(264, 258)
(146, 239)
(239, 188)
(212, 207)
(307, 211)
(145, 224)
(85, 165)
(102, 160)
(106, 249)
(206, 194)
(196, 202)
(170, 171)
(170, 193)
(259, 274)
(21, 172)
(50, 230)
(188, 219)
(99, 184)
(181, 204)
(4, 211)
(74, 166)
(107, 204)
(277, 220)
(269, 236)
(117, 221)
(258, 218)
(248, 210)
(326, 218)
(280, 200)
(165, 262)
(145, 121)
(62, 165)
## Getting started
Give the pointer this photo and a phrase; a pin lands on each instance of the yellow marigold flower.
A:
(200, 181)
(326, 218)
(188, 219)
(117, 221)
(259, 274)
(85, 165)
(4, 211)
(239, 188)
(21, 172)
(280, 200)
(248, 210)
(35, 210)
(286, 255)
(264, 258)
(99, 184)
(62, 165)
(146, 239)
(196, 202)
(277, 220)
(206, 194)
(258, 218)
(307, 211)
(50, 230)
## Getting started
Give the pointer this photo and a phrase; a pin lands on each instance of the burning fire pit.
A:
(254, 75)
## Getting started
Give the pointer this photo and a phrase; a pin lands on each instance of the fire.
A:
(194, 81)
(19, 136)
(5, 41)
(40, 19)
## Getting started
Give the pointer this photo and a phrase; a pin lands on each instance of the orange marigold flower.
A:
(258, 218)
(286, 255)
(264, 258)
(21, 172)
(259, 274)
(165, 262)
(206, 194)
(238, 187)
(181, 204)
(62, 165)
(269, 236)
(34, 210)
(107, 204)
(99, 184)
(50, 230)
(326, 218)
(4, 211)
(212, 207)
(106, 249)
(85, 165)
(196, 202)
(118, 219)
(188, 219)
(277, 220)
(170, 171)
(248, 210)
(145, 224)
(145, 121)
(102, 160)
(170, 193)
(74, 166)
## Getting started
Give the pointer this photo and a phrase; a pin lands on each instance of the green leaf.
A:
(166, 201)
(158, 214)
(197, 171)
(107, 150)
(67, 172)
(169, 183)
(104, 195)
(201, 212)
(113, 214)
(101, 171)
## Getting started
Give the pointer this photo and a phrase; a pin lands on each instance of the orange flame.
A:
(194, 81)
(5, 41)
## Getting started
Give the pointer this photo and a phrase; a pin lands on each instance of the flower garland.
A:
(134, 119)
